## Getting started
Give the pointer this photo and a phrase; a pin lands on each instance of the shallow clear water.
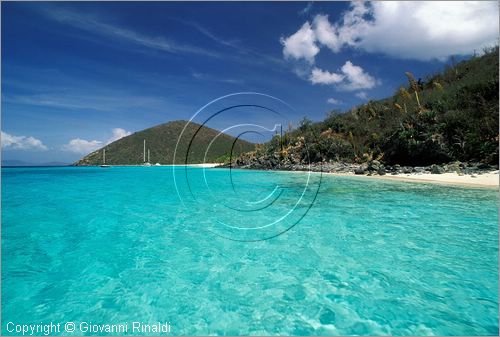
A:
(115, 245)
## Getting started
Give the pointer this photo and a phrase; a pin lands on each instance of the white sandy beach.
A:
(485, 180)
(490, 179)
(204, 165)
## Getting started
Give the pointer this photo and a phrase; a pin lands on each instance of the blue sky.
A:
(76, 76)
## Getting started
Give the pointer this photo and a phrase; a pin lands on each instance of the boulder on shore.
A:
(374, 165)
(359, 170)
(436, 169)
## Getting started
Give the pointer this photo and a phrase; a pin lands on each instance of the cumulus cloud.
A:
(428, 29)
(301, 45)
(356, 78)
(21, 142)
(118, 133)
(319, 76)
(82, 146)
(306, 42)
(350, 78)
(421, 30)
(325, 33)
(334, 101)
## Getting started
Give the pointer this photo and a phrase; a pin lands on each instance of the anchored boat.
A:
(104, 159)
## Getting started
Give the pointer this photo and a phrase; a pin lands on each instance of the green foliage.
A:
(224, 159)
(448, 116)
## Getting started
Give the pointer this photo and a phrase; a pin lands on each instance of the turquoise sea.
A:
(247, 252)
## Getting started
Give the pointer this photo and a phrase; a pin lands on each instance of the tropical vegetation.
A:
(449, 116)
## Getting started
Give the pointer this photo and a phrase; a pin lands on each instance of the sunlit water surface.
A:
(115, 245)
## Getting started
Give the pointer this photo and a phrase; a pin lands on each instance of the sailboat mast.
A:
(144, 151)
(104, 156)
(148, 156)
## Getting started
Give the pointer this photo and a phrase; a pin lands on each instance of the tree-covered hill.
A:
(161, 141)
(450, 116)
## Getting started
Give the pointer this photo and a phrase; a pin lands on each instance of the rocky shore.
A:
(370, 168)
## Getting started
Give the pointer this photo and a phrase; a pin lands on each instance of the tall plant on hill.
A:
(405, 97)
(414, 87)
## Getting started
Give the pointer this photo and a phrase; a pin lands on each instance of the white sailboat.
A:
(104, 159)
(146, 163)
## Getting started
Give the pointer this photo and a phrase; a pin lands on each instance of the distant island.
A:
(161, 141)
(15, 162)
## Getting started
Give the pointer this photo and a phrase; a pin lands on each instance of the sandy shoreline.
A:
(202, 165)
(489, 180)
(484, 180)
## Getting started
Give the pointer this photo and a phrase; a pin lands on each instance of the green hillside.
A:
(450, 116)
(161, 141)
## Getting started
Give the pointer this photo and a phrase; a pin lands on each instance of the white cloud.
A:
(362, 95)
(319, 76)
(82, 146)
(421, 30)
(353, 22)
(118, 133)
(429, 29)
(334, 101)
(21, 143)
(350, 78)
(301, 45)
(325, 33)
(356, 78)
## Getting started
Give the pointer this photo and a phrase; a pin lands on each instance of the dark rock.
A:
(407, 169)
(381, 170)
(373, 165)
(359, 170)
(436, 169)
